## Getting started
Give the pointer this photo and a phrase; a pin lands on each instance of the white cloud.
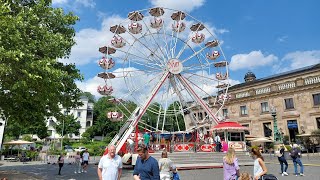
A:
(251, 60)
(282, 39)
(298, 59)
(90, 40)
(182, 5)
(74, 4)
(59, 1)
(86, 3)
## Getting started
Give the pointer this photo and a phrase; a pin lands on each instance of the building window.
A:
(88, 124)
(289, 103)
(243, 110)
(235, 136)
(316, 99)
(79, 114)
(267, 129)
(264, 107)
(318, 122)
(225, 113)
(200, 117)
(206, 115)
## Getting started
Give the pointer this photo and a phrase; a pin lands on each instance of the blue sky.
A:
(265, 37)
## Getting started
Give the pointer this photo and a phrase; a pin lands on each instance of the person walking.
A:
(77, 168)
(230, 165)
(296, 154)
(217, 140)
(259, 167)
(146, 167)
(130, 145)
(165, 166)
(146, 138)
(60, 163)
(85, 160)
(283, 162)
(110, 165)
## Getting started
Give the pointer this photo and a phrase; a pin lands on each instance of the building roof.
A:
(288, 73)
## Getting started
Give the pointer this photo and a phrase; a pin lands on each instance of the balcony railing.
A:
(243, 94)
(312, 80)
(263, 90)
(287, 85)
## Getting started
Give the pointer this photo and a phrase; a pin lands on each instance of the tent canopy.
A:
(18, 142)
(261, 140)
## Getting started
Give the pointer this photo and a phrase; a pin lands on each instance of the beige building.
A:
(294, 98)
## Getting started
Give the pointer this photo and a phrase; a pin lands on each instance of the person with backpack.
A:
(282, 160)
(295, 154)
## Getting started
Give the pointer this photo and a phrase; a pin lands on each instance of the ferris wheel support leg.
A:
(131, 123)
(198, 99)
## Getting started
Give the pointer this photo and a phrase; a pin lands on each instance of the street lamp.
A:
(276, 134)
(195, 139)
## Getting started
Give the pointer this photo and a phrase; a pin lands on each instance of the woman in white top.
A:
(165, 166)
(259, 167)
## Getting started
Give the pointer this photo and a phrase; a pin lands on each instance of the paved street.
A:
(47, 171)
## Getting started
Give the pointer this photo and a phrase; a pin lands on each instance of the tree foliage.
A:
(33, 84)
(102, 125)
(91, 98)
(67, 125)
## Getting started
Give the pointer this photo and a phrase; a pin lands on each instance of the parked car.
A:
(80, 149)
(68, 149)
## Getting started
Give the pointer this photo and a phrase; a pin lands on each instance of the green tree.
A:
(102, 125)
(67, 125)
(177, 118)
(33, 84)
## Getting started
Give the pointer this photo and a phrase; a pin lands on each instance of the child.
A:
(245, 176)
(175, 175)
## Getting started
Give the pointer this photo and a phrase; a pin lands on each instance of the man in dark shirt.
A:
(146, 167)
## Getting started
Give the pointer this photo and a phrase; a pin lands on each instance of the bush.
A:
(32, 154)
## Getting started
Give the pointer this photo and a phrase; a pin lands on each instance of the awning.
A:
(229, 126)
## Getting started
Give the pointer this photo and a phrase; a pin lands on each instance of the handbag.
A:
(268, 177)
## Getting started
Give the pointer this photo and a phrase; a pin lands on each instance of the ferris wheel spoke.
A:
(135, 48)
(173, 49)
(138, 40)
(130, 54)
(183, 48)
(148, 66)
(164, 39)
(163, 54)
(195, 54)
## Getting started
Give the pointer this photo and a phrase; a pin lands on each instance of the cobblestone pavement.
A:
(50, 172)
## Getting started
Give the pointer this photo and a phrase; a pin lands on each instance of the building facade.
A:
(289, 102)
(84, 115)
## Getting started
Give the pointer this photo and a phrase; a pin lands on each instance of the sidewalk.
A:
(8, 163)
(307, 159)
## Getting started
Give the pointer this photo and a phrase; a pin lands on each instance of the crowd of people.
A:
(81, 162)
(260, 172)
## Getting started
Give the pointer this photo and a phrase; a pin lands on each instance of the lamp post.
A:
(195, 139)
(276, 134)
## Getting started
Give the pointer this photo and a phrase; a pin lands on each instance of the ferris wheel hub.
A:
(175, 66)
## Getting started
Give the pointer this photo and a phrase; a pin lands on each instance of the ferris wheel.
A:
(171, 65)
